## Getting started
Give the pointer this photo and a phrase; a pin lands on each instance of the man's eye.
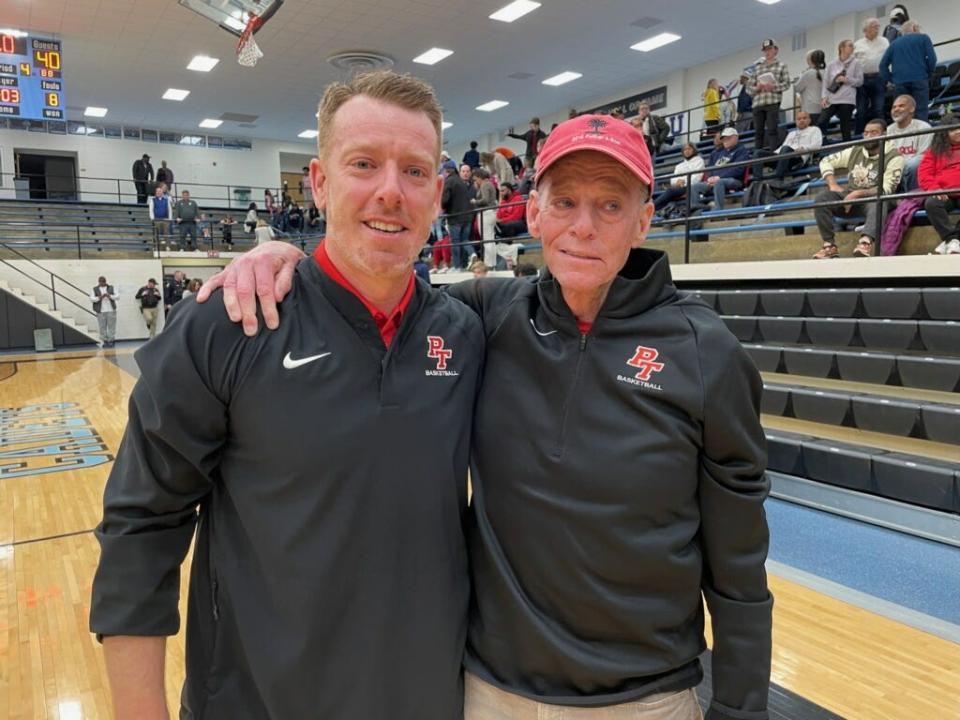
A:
(362, 164)
(417, 172)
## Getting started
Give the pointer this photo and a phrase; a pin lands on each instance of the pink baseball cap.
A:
(616, 138)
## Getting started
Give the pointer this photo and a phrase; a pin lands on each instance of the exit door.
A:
(46, 177)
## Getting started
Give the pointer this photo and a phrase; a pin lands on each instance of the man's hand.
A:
(265, 274)
(856, 195)
(681, 182)
(833, 185)
(712, 180)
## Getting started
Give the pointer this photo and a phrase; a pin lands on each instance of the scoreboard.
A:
(31, 80)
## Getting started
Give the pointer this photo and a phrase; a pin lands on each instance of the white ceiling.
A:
(122, 54)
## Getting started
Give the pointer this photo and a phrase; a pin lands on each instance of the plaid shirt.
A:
(782, 75)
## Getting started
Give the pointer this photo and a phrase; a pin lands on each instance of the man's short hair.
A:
(473, 144)
(101, 279)
(870, 21)
(911, 103)
(402, 90)
(876, 123)
(151, 280)
(534, 121)
(910, 26)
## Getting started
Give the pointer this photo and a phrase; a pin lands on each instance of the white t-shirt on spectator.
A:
(694, 163)
(809, 139)
(869, 52)
(264, 234)
(910, 146)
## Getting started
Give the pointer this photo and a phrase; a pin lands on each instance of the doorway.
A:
(47, 177)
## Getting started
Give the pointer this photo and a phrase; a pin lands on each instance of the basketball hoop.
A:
(248, 52)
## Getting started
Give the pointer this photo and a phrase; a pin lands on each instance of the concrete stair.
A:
(46, 309)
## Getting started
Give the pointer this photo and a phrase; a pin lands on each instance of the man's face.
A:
(151, 284)
(504, 193)
(178, 276)
(730, 141)
(642, 112)
(589, 211)
(871, 30)
(769, 54)
(466, 172)
(377, 185)
(872, 131)
(161, 188)
(102, 281)
(534, 126)
(954, 136)
(803, 120)
(185, 195)
(901, 111)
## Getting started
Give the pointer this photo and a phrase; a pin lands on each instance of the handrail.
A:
(33, 262)
(52, 287)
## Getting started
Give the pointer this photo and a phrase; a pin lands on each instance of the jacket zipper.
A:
(561, 439)
(216, 605)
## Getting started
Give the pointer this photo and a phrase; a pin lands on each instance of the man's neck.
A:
(904, 124)
(585, 306)
(384, 293)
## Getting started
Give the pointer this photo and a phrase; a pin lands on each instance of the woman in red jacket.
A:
(512, 213)
(940, 170)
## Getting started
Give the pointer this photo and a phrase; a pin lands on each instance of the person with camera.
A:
(841, 80)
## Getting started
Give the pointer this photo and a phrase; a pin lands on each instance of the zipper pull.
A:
(583, 341)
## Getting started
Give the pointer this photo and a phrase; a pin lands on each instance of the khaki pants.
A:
(150, 317)
(486, 702)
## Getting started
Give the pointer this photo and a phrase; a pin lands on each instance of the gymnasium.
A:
(145, 144)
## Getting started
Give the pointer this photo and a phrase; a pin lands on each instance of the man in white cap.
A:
(722, 180)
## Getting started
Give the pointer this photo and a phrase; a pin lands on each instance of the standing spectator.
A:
(720, 180)
(264, 232)
(105, 306)
(728, 109)
(173, 292)
(250, 222)
(165, 175)
(809, 86)
(711, 106)
(160, 207)
(316, 222)
(498, 166)
(840, 82)
(142, 176)
(894, 28)
(804, 138)
(295, 218)
(420, 269)
(868, 51)
(206, 231)
(654, 128)
(908, 63)
(485, 200)
(531, 137)
(862, 163)
(744, 104)
(192, 287)
(770, 80)
(305, 188)
(940, 170)
(149, 297)
(511, 213)
(455, 202)
(186, 212)
(692, 161)
(226, 231)
(911, 148)
(471, 157)
(269, 203)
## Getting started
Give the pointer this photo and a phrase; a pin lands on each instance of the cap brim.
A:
(644, 176)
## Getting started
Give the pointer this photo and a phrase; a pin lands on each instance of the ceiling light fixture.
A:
(492, 105)
(655, 42)
(308, 134)
(210, 123)
(432, 56)
(95, 112)
(203, 63)
(562, 79)
(174, 94)
(769, 2)
(515, 10)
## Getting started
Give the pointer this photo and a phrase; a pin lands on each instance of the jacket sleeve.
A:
(931, 56)
(892, 172)
(150, 208)
(855, 76)
(801, 84)
(837, 161)
(164, 469)
(784, 82)
(733, 527)
(885, 63)
(926, 173)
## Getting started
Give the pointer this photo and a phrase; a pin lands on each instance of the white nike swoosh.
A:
(289, 363)
(541, 334)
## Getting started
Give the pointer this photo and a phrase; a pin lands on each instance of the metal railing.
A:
(52, 287)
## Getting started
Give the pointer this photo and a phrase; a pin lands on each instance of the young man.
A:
(149, 297)
(531, 138)
(721, 180)
(186, 212)
(769, 81)
(589, 581)
(911, 148)
(804, 138)
(160, 207)
(104, 299)
(142, 177)
(329, 576)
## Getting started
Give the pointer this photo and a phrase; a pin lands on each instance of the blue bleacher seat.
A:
(917, 480)
(888, 334)
(941, 422)
(885, 415)
(899, 303)
(822, 406)
(783, 302)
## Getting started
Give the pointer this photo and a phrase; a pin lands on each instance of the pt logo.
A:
(645, 360)
(437, 351)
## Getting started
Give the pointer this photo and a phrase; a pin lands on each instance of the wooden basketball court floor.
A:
(845, 659)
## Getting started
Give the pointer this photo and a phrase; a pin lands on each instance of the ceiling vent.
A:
(357, 61)
(520, 76)
(238, 117)
(646, 22)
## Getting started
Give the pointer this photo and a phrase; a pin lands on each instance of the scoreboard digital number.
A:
(31, 79)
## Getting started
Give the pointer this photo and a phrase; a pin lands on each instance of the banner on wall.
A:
(656, 99)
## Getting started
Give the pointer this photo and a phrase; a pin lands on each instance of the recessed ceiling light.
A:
(203, 63)
(95, 112)
(174, 94)
(210, 123)
(308, 134)
(444, 125)
(563, 78)
(515, 10)
(769, 2)
(492, 105)
(432, 56)
(655, 42)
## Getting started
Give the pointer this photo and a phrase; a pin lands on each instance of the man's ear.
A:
(318, 183)
(437, 207)
(533, 213)
(643, 225)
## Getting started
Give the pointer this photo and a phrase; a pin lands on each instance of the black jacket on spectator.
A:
(456, 200)
(659, 132)
(531, 138)
(142, 171)
(173, 292)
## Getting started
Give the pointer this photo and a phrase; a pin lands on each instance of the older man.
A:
(908, 63)
(329, 576)
(720, 180)
(911, 148)
(654, 128)
(871, 94)
(770, 79)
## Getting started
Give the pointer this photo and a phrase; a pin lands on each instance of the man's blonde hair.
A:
(402, 90)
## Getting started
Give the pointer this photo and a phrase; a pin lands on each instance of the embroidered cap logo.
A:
(645, 359)
(597, 124)
(436, 351)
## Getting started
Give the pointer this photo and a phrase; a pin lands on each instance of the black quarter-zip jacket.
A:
(329, 576)
(619, 477)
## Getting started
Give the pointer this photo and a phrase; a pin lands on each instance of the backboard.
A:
(232, 15)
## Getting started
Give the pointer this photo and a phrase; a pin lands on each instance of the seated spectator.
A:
(940, 170)
(479, 269)
(840, 82)
(908, 63)
(720, 180)
(264, 232)
(316, 222)
(471, 157)
(295, 217)
(912, 148)
(809, 86)
(511, 214)
(498, 166)
(804, 138)
(527, 269)
(655, 129)
(862, 163)
(871, 96)
(692, 160)
(250, 222)
(269, 204)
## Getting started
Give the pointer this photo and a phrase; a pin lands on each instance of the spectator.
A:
(744, 104)
(206, 231)
(711, 109)
(192, 287)
(186, 212)
(770, 80)
(511, 214)
(894, 28)
(165, 175)
(692, 161)
(471, 157)
(455, 202)
(911, 148)
(804, 138)
(485, 200)
(531, 137)
(160, 207)
(479, 269)
(527, 269)
(269, 203)
(498, 166)
(868, 51)
(862, 163)
(421, 270)
(316, 222)
(149, 297)
(226, 231)
(142, 175)
(305, 190)
(250, 222)
(940, 170)
(809, 86)
(908, 63)
(654, 128)
(173, 292)
(295, 217)
(728, 109)
(105, 306)
(264, 232)
(720, 180)
(840, 82)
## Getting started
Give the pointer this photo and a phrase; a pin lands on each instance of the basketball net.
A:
(248, 52)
